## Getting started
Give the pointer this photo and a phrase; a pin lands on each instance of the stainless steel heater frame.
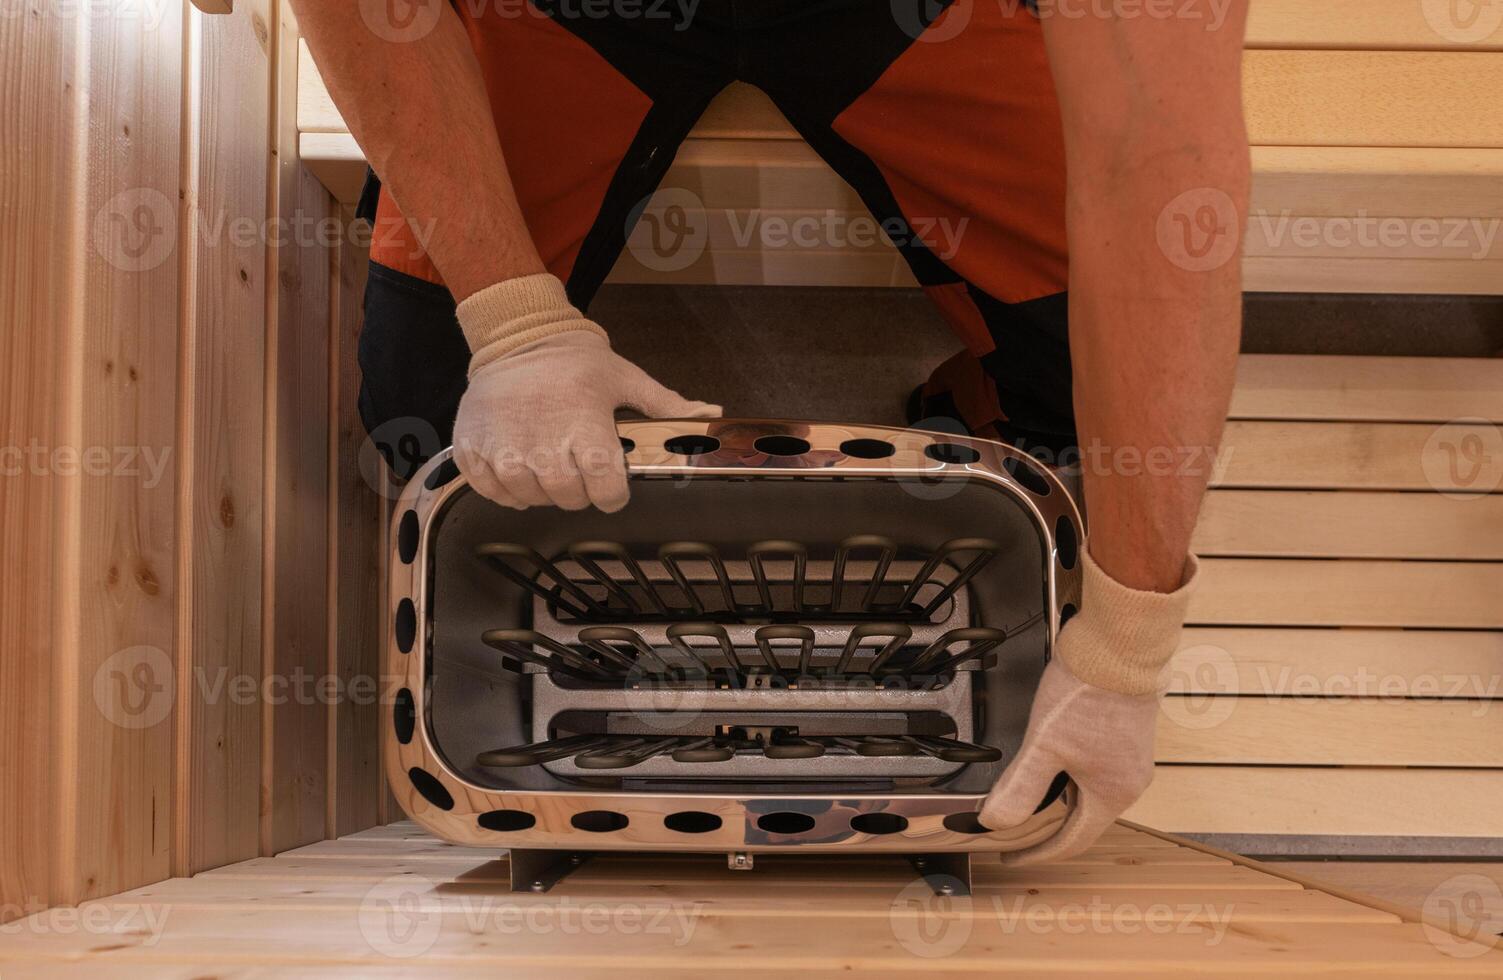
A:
(551, 826)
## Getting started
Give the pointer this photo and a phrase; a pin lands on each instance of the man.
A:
(519, 139)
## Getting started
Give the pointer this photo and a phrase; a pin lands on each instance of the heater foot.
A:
(537, 871)
(948, 873)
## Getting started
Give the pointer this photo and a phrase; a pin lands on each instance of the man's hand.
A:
(536, 426)
(1100, 730)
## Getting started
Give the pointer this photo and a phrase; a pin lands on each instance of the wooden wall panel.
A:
(117, 801)
(225, 392)
(38, 255)
(356, 521)
(294, 717)
(172, 358)
(90, 281)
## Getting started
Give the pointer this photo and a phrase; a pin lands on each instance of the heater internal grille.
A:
(867, 580)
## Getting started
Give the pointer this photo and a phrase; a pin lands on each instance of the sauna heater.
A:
(796, 637)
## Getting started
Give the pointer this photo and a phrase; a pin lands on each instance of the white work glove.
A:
(1094, 714)
(536, 426)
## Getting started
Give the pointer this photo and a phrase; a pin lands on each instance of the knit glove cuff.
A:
(514, 312)
(1122, 638)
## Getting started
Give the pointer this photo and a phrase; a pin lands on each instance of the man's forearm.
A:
(419, 109)
(1154, 347)
(1157, 161)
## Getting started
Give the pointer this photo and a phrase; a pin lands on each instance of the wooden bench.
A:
(1377, 153)
(1343, 666)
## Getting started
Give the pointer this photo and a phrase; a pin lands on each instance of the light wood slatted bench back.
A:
(1343, 668)
(1378, 161)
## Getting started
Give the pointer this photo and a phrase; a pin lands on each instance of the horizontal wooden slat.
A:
(1396, 24)
(1413, 182)
(746, 174)
(1359, 456)
(1378, 389)
(1333, 524)
(1298, 800)
(1292, 274)
(1328, 98)
(841, 224)
(1411, 885)
(1339, 662)
(1289, 592)
(804, 267)
(1374, 236)
(1398, 180)
(1291, 98)
(1330, 731)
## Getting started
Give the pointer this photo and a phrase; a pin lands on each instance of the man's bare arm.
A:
(1157, 185)
(536, 424)
(1152, 111)
(419, 109)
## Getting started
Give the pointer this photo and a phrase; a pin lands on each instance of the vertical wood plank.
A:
(356, 652)
(225, 398)
(37, 254)
(388, 807)
(295, 769)
(118, 734)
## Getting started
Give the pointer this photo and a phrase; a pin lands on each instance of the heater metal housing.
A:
(797, 636)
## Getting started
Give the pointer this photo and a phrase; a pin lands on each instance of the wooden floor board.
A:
(392, 902)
